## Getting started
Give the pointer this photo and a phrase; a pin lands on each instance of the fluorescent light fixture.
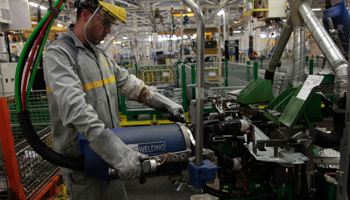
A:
(36, 5)
(284, 20)
(239, 27)
(189, 9)
(235, 22)
(237, 31)
(221, 12)
(33, 4)
(60, 25)
(125, 38)
(316, 9)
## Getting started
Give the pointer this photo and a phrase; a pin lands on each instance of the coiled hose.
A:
(42, 149)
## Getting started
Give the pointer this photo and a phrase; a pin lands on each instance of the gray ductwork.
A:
(333, 55)
(213, 15)
(280, 46)
(298, 46)
(199, 80)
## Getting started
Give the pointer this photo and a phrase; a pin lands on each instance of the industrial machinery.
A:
(258, 148)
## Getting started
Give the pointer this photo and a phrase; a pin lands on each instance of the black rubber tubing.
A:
(330, 140)
(42, 149)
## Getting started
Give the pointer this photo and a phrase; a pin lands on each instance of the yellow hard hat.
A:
(114, 11)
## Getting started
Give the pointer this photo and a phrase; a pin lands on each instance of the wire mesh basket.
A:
(38, 107)
(35, 172)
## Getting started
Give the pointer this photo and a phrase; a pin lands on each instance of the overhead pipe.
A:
(298, 46)
(280, 46)
(148, 14)
(213, 15)
(199, 80)
(339, 66)
(251, 39)
(333, 55)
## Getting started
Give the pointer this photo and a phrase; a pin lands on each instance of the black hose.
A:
(269, 75)
(250, 54)
(331, 140)
(42, 149)
(236, 50)
(224, 160)
(329, 4)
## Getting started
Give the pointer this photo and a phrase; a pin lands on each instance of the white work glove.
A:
(118, 155)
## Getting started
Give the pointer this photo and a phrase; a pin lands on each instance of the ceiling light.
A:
(189, 9)
(33, 4)
(36, 5)
(60, 25)
(237, 31)
(221, 12)
(239, 27)
(125, 38)
(316, 9)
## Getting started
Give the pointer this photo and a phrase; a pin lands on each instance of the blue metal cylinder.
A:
(340, 16)
(150, 140)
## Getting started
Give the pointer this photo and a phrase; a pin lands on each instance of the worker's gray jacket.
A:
(82, 92)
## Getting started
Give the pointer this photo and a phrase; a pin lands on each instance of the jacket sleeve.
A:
(132, 87)
(66, 87)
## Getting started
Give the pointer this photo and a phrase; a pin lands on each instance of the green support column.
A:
(136, 69)
(184, 97)
(255, 71)
(177, 74)
(248, 71)
(226, 73)
(193, 80)
(311, 67)
(261, 63)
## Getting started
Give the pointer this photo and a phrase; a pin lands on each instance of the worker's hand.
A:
(130, 167)
(118, 155)
(177, 115)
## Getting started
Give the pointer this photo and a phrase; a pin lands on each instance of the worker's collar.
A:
(77, 42)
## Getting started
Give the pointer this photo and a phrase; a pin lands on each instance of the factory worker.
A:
(82, 87)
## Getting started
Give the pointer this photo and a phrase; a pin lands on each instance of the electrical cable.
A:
(165, 158)
(38, 42)
(23, 57)
(39, 37)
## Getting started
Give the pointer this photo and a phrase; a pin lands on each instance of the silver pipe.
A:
(281, 45)
(213, 15)
(199, 80)
(250, 25)
(224, 25)
(302, 47)
(333, 55)
(298, 46)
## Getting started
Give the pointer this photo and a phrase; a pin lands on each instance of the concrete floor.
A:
(160, 188)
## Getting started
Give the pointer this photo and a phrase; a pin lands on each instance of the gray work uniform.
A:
(82, 93)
